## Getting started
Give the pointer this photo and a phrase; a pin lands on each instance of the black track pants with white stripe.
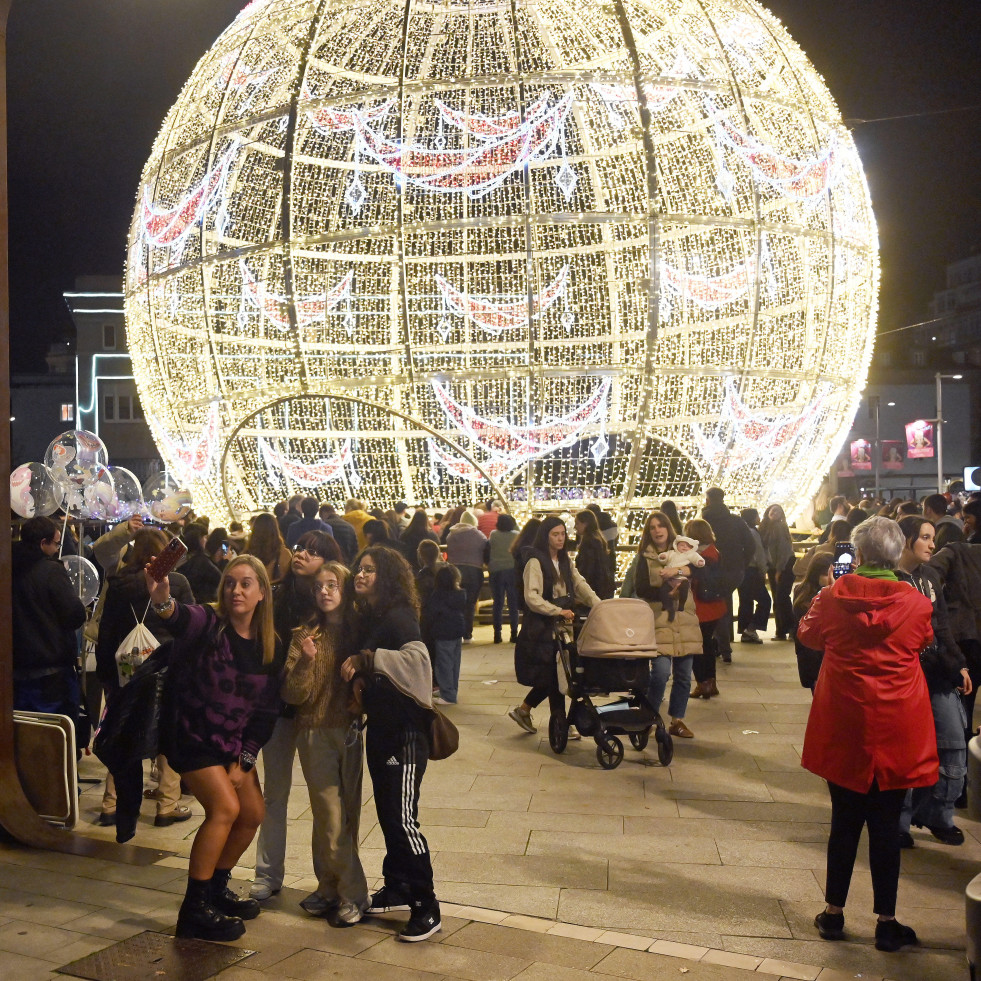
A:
(397, 761)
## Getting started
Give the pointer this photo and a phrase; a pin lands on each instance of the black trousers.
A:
(471, 579)
(850, 812)
(556, 700)
(781, 583)
(754, 601)
(703, 665)
(397, 763)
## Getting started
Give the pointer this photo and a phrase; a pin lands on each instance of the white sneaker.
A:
(261, 890)
(439, 700)
(523, 717)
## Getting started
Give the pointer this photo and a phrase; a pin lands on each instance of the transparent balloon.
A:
(84, 577)
(127, 498)
(165, 499)
(75, 457)
(90, 499)
(33, 492)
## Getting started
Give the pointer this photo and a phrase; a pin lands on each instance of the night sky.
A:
(89, 82)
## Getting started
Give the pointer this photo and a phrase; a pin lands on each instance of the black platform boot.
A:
(225, 901)
(497, 637)
(199, 920)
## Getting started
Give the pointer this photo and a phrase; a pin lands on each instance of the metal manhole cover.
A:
(156, 955)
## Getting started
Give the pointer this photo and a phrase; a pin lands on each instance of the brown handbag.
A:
(444, 737)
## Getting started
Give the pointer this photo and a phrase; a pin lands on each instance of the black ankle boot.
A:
(497, 637)
(199, 920)
(225, 901)
(513, 639)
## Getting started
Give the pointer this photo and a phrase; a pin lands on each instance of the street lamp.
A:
(940, 429)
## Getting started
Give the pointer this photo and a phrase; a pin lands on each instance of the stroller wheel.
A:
(558, 733)
(609, 752)
(665, 746)
(639, 740)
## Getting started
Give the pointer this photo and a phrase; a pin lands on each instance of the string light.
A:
(581, 250)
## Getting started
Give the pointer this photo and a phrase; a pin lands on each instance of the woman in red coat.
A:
(870, 732)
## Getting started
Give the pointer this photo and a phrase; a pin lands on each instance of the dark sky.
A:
(89, 82)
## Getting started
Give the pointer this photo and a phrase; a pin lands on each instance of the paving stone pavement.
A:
(549, 867)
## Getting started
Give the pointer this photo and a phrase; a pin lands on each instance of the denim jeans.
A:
(680, 670)
(504, 583)
(446, 667)
(933, 807)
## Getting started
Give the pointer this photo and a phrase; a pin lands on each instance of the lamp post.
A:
(940, 428)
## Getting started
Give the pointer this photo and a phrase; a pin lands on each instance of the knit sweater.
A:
(315, 685)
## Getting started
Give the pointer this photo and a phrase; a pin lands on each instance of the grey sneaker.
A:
(316, 905)
(345, 915)
(523, 717)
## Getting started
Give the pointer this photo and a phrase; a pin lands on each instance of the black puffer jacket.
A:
(46, 614)
(734, 541)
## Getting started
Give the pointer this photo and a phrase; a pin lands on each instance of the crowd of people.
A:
(332, 637)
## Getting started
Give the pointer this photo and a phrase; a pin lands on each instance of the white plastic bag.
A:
(135, 648)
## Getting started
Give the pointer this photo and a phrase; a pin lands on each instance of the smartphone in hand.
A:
(162, 564)
(844, 561)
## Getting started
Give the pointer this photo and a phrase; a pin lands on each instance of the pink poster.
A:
(892, 454)
(919, 439)
(861, 455)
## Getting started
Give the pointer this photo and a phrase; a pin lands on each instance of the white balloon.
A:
(127, 499)
(33, 492)
(165, 498)
(84, 577)
(75, 457)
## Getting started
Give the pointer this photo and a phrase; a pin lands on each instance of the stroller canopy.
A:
(618, 628)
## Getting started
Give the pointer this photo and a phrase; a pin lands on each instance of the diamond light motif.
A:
(503, 248)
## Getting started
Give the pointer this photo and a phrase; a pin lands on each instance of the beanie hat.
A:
(468, 518)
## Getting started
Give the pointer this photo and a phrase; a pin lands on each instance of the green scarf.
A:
(871, 572)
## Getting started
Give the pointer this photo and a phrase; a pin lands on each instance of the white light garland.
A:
(511, 241)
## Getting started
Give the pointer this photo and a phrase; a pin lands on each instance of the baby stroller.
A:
(611, 654)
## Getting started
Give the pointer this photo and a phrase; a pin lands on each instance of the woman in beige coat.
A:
(678, 632)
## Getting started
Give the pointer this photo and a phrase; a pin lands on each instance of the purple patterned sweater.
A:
(224, 699)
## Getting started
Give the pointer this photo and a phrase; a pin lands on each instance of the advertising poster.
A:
(892, 454)
(861, 455)
(919, 439)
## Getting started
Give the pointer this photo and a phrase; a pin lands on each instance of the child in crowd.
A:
(444, 613)
(683, 553)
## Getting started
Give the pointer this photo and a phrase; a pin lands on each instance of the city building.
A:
(107, 401)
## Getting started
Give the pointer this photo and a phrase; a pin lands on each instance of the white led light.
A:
(507, 247)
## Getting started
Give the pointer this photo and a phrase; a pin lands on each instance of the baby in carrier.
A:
(674, 591)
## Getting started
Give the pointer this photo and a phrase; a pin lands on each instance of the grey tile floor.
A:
(549, 867)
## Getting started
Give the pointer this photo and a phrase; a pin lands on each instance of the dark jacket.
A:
(942, 661)
(301, 527)
(733, 540)
(347, 537)
(46, 614)
(444, 614)
(593, 563)
(127, 600)
(387, 708)
(959, 565)
(408, 544)
(202, 576)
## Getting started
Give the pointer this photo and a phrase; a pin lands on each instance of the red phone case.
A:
(167, 559)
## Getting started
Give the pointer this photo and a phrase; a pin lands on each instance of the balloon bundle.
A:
(76, 477)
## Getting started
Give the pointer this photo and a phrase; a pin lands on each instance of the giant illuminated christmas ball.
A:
(563, 250)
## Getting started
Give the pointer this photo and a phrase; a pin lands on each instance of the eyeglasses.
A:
(327, 587)
(309, 549)
(365, 571)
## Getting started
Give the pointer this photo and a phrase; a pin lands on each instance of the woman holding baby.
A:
(658, 577)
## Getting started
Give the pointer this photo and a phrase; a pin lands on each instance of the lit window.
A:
(67, 411)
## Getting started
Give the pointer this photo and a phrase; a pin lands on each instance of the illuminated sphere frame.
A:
(559, 250)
